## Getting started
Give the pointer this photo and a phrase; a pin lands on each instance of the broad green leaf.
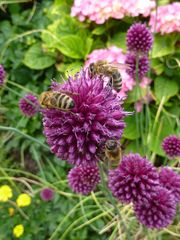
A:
(165, 88)
(74, 46)
(162, 46)
(99, 30)
(118, 40)
(130, 131)
(37, 58)
(157, 66)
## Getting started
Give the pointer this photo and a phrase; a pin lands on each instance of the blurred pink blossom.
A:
(168, 18)
(100, 11)
(113, 55)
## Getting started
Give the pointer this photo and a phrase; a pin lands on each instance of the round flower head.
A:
(134, 179)
(83, 179)
(158, 212)
(170, 180)
(47, 194)
(2, 75)
(29, 105)
(139, 39)
(143, 65)
(78, 135)
(171, 146)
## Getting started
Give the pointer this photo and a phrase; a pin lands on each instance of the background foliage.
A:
(39, 41)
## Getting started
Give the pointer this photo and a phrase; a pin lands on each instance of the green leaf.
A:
(165, 88)
(136, 94)
(99, 30)
(37, 58)
(157, 66)
(163, 45)
(130, 131)
(74, 46)
(119, 40)
(164, 129)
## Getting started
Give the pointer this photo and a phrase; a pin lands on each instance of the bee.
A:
(113, 152)
(111, 71)
(58, 100)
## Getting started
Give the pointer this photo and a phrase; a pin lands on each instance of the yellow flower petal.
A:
(11, 211)
(5, 193)
(18, 230)
(23, 200)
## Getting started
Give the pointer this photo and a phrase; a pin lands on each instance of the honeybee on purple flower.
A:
(103, 68)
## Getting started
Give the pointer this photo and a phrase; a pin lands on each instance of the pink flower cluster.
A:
(115, 55)
(168, 18)
(100, 11)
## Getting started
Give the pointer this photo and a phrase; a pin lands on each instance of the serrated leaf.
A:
(163, 45)
(165, 88)
(37, 58)
(130, 131)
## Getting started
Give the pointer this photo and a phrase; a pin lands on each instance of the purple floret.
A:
(139, 39)
(29, 105)
(171, 146)
(158, 212)
(134, 179)
(170, 180)
(78, 135)
(84, 179)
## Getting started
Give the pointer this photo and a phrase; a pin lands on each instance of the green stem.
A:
(24, 135)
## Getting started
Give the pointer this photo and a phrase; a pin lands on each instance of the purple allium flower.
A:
(83, 179)
(134, 179)
(2, 75)
(47, 194)
(79, 134)
(157, 212)
(170, 180)
(171, 146)
(139, 39)
(143, 65)
(29, 105)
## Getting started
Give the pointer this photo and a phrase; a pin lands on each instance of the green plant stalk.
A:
(24, 135)
(21, 87)
(38, 162)
(106, 190)
(74, 209)
(53, 169)
(19, 210)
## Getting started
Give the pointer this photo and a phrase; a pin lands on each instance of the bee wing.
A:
(118, 65)
(69, 93)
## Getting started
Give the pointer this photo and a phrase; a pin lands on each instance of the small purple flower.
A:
(83, 179)
(29, 105)
(170, 180)
(139, 39)
(2, 75)
(134, 179)
(79, 134)
(143, 65)
(158, 212)
(47, 194)
(171, 146)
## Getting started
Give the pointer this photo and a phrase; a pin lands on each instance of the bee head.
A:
(91, 69)
(111, 144)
